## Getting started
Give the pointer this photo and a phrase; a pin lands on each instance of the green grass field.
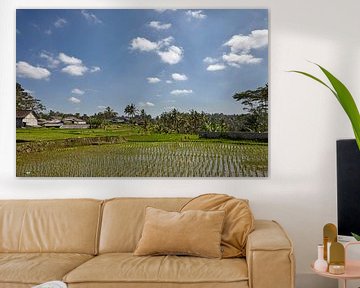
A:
(39, 134)
(140, 155)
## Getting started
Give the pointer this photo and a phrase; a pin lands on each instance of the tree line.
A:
(254, 118)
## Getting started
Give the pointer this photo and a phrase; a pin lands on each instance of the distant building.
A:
(65, 123)
(120, 120)
(26, 118)
(73, 121)
(53, 123)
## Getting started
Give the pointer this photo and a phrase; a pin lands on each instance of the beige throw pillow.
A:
(196, 233)
(239, 220)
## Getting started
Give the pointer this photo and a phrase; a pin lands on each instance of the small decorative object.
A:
(328, 251)
(336, 269)
(337, 258)
(330, 236)
(320, 264)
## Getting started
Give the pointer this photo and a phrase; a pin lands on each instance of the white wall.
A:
(305, 120)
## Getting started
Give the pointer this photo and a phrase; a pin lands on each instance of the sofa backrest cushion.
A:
(64, 226)
(123, 220)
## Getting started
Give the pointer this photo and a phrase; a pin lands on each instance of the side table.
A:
(352, 269)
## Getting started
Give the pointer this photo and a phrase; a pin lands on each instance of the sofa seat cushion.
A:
(127, 268)
(36, 268)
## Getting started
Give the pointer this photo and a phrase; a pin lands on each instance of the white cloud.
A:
(78, 91)
(180, 92)
(241, 47)
(74, 100)
(51, 61)
(70, 60)
(75, 70)
(48, 31)
(25, 70)
(198, 14)
(60, 22)
(91, 17)
(216, 67)
(153, 80)
(101, 107)
(172, 55)
(159, 26)
(179, 77)
(146, 104)
(94, 69)
(165, 42)
(244, 43)
(168, 81)
(143, 44)
(210, 60)
(74, 66)
(236, 59)
(168, 54)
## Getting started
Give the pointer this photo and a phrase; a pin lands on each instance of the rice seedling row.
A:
(148, 159)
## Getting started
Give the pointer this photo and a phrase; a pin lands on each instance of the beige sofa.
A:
(89, 243)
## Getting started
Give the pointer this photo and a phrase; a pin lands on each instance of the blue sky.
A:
(84, 60)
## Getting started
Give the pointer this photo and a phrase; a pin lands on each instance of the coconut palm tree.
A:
(131, 110)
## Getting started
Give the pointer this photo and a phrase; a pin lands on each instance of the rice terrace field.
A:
(43, 152)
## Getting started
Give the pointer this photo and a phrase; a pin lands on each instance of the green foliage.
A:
(193, 122)
(48, 134)
(356, 236)
(145, 119)
(24, 100)
(131, 110)
(109, 113)
(344, 97)
(255, 102)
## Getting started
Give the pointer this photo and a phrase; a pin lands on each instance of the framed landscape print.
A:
(142, 93)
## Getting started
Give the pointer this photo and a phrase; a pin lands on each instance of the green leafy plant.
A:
(344, 97)
(356, 236)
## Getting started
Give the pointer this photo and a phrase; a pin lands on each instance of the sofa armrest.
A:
(269, 255)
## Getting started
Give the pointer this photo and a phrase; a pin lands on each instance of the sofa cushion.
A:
(123, 220)
(239, 220)
(36, 268)
(62, 226)
(193, 232)
(126, 268)
(15, 285)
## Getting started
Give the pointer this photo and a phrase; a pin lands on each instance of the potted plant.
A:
(344, 97)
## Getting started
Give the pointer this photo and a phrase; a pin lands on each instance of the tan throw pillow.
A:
(196, 233)
(239, 220)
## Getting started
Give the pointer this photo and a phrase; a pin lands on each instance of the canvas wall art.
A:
(142, 93)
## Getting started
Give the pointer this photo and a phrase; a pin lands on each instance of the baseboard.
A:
(309, 280)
